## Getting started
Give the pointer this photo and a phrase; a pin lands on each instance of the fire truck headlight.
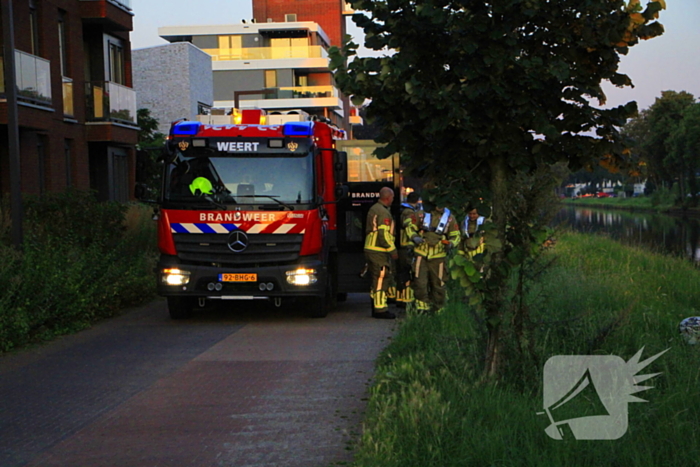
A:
(302, 276)
(174, 276)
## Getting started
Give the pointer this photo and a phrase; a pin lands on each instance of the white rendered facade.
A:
(278, 67)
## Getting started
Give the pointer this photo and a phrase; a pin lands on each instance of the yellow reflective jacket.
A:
(379, 229)
(432, 246)
(411, 218)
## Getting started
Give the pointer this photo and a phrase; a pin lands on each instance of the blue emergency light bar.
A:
(186, 128)
(298, 129)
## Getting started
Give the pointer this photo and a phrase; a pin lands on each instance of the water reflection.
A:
(658, 232)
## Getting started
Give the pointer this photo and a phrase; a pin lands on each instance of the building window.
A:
(270, 78)
(203, 109)
(290, 47)
(301, 80)
(230, 42)
(34, 27)
(62, 43)
(116, 64)
(63, 57)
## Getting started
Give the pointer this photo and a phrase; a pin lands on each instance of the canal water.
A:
(658, 232)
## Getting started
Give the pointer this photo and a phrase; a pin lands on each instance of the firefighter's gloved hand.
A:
(447, 245)
(417, 239)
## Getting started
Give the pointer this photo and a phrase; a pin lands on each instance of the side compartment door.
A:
(366, 176)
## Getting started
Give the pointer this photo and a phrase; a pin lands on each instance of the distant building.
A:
(329, 14)
(279, 67)
(173, 81)
(77, 107)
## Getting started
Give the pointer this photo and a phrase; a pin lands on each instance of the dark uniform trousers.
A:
(429, 282)
(379, 264)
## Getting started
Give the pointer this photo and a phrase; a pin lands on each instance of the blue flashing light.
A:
(298, 129)
(186, 128)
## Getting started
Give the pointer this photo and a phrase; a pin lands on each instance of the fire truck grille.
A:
(263, 249)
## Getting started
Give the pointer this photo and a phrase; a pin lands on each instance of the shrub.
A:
(81, 262)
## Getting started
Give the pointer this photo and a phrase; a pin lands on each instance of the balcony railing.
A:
(302, 92)
(68, 108)
(124, 4)
(267, 53)
(108, 101)
(33, 77)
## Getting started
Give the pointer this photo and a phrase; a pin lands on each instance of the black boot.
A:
(384, 315)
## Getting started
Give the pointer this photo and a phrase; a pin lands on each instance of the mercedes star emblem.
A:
(237, 241)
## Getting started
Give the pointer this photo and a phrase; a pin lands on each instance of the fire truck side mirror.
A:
(340, 164)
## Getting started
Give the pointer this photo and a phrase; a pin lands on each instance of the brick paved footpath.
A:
(264, 387)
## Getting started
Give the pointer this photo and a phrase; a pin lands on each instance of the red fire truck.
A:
(263, 212)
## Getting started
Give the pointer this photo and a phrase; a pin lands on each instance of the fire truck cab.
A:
(265, 212)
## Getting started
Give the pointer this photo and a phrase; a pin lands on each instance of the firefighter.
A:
(438, 234)
(411, 217)
(380, 250)
(472, 242)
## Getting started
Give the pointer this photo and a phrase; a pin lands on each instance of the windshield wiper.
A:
(272, 197)
(215, 202)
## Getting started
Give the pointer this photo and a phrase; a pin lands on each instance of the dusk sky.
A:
(669, 62)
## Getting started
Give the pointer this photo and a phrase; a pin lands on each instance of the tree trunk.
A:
(496, 305)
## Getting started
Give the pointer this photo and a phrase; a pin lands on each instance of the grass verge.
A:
(427, 407)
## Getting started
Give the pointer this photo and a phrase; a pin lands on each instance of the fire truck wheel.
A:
(320, 305)
(342, 296)
(180, 307)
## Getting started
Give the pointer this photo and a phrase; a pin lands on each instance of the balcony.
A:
(33, 76)
(267, 53)
(123, 4)
(111, 102)
(284, 98)
(302, 92)
(112, 15)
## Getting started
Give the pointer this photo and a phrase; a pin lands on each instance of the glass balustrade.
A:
(108, 101)
(33, 77)
(267, 53)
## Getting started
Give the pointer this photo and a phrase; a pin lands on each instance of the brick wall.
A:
(170, 80)
(327, 13)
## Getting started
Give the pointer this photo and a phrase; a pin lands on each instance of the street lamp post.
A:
(12, 122)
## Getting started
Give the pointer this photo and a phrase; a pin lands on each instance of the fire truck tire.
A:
(321, 305)
(180, 307)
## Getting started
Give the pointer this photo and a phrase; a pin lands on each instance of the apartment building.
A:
(76, 105)
(281, 67)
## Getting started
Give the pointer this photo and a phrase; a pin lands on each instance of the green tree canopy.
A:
(684, 151)
(515, 79)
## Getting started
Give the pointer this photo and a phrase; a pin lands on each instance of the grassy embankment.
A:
(427, 407)
(82, 261)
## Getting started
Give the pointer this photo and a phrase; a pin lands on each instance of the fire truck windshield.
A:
(239, 178)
